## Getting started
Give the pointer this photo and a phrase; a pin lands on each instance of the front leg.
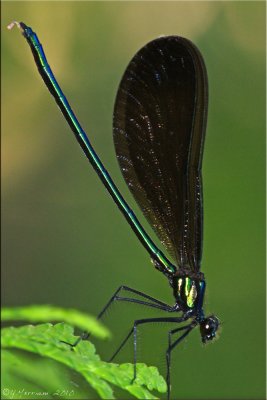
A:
(175, 320)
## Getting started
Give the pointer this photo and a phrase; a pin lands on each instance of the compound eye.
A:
(208, 328)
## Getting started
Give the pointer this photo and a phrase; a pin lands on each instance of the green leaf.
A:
(25, 375)
(46, 340)
(47, 313)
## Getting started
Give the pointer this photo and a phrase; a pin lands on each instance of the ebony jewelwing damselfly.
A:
(159, 126)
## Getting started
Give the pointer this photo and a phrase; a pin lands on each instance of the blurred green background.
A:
(63, 240)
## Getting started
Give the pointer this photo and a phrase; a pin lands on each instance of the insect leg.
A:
(172, 346)
(134, 331)
(152, 302)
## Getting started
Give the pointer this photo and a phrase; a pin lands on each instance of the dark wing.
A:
(159, 127)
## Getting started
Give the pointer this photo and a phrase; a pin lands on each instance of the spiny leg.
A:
(154, 303)
(141, 294)
(172, 346)
(134, 331)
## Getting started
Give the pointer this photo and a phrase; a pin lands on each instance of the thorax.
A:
(188, 291)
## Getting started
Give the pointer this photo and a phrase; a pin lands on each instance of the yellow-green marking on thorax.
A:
(187, 291)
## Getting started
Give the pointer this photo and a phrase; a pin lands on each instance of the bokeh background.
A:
(63, 240)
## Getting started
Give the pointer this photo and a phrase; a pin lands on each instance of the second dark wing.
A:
(159, 127)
